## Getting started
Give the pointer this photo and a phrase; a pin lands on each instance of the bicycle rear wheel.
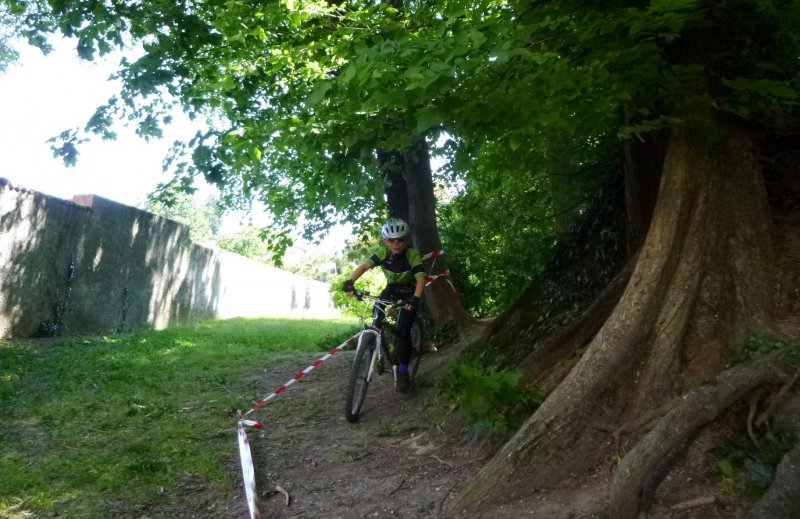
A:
(359, 378)
(417, 338)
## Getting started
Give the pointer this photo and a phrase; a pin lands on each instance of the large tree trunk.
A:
(445, 307)
(702, 279)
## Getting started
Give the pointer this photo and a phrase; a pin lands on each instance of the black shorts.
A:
(396, 292)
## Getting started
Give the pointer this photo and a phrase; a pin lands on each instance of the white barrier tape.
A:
(248, 471)
(300, 375)
(433, 277)
(446, 274)
(434, 254)
(455, 290)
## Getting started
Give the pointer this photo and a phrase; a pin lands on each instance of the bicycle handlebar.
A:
(361, 295)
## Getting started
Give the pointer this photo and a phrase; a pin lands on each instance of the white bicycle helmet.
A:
(394, 228)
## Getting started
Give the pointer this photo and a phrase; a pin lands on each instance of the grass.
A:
(126, 418)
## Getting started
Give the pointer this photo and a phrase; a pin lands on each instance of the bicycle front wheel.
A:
(359, 378)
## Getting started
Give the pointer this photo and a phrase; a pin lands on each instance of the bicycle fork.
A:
(376, 359)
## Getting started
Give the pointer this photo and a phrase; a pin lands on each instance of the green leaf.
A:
(477, 38)
(426, 119)
(318, 93)
(782, 91)
(726, 468)
(349, 73)
(667, 6)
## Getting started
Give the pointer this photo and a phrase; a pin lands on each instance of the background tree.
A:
(248, 241)
(203, 220)
(9, 31)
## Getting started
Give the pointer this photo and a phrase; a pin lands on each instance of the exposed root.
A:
(776, 401)
(645, 419)
(287, 498)
(782, 500)
(443, 462)
(642, 469)
(694, 503)
(632, 426)
(750, 416)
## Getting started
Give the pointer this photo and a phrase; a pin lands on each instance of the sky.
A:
(41, 96)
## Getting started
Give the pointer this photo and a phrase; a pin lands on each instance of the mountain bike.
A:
(376, 349)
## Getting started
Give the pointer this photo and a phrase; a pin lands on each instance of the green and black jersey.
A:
(402, 269)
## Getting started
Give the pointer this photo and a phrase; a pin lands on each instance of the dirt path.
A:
(403, 459)
(400, 460)
(406, 456)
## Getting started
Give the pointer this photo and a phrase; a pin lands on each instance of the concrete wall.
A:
(94, 266)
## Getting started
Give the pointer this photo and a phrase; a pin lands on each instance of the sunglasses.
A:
(396, 240)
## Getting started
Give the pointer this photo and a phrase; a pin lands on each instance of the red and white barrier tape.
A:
(248, 471)
(446, 274)
(300, 375)
(430, 278)
(433, 277)
(434, 254)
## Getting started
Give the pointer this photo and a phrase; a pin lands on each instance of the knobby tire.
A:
(357, 387)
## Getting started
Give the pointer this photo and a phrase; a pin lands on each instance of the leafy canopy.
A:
(299, 94)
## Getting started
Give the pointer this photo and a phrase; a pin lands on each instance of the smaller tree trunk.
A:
(444, 305)
(394, 183)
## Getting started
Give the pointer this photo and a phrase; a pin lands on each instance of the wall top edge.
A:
(5, 183)
(87, 201)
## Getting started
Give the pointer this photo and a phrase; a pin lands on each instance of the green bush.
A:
(757, 345)
(371, 282)
(489, 399)
(744, 469)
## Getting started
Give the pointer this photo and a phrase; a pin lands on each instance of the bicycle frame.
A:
(366, 362)
(379, 332)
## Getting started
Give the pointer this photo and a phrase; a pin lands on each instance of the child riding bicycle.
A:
(405, 276)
